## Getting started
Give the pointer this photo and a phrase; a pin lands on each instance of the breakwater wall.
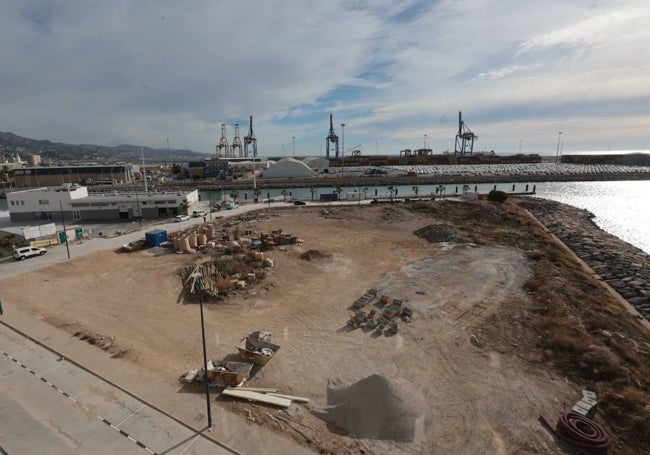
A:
(624, 267)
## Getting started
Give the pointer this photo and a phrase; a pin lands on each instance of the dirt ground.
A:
(483, 388)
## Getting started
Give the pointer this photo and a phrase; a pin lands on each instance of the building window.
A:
(43, 201)
(22, 202)
(12, 202)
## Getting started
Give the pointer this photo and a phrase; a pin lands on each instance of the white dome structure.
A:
(288, 168)
(316, 163)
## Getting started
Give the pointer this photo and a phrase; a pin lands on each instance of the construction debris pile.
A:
(383, 319)
(376, 407)
(276, 238)
(237, 261)
(254, 349)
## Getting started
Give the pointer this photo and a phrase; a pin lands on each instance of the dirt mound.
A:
(376, 407)
(310, 255)
(489, 213)
(436, 233)
(392, 215)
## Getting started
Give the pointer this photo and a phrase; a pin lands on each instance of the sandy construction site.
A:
(467, 375)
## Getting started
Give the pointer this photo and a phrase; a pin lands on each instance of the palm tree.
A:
(312, 190)
(465, 188)
(440, 189)
(256, 193)
(339, 190)
(392, 190)
(234, 194)
(416, 190)
(284, 193)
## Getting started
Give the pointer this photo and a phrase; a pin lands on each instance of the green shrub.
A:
(497, 196)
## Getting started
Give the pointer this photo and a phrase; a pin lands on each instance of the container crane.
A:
(249, 139)
(331, 137)
(464, 139)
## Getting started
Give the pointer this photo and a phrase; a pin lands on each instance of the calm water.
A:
(621, 208)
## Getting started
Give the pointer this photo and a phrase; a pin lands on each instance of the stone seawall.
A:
(624, 267)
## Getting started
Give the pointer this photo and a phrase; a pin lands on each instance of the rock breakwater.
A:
(624, 267)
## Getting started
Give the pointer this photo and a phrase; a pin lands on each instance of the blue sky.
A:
(393, 71)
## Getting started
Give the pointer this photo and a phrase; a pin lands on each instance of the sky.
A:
(395, 72)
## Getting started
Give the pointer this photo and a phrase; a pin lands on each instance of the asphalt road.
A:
(48, 405)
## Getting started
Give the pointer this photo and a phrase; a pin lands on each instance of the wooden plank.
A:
(257, 389)
(289, 397)
(259, 397)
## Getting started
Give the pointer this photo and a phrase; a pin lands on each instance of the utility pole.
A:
(67, 245)
(293, 145)
(557, 153)
(343, 148)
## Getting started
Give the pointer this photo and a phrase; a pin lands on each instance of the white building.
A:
(74, 202)
(288, 168)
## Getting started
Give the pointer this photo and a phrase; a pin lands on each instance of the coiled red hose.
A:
(582, 432)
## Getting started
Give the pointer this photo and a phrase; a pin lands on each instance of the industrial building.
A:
(27, 177)
(72, 201)
(288, 168)
(317, 164)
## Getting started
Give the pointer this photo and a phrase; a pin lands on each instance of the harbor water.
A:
(621, 208)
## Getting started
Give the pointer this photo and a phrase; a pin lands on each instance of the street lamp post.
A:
(557, 154)
(425, 141)
(293, 145)
(199, 282)
(343, 147)
(520, 146)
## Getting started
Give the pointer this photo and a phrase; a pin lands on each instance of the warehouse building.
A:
(72, 201)
(38, 176)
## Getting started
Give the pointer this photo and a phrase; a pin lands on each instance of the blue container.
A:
(155, 237)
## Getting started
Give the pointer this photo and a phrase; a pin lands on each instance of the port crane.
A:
(223, 149)
(464, 139)
(333, 138)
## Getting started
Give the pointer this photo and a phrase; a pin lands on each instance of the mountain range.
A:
(59, 152)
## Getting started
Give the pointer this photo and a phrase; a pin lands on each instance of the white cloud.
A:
(142, 72)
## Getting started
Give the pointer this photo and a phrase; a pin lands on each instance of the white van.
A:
(199, 213)
(28, 252)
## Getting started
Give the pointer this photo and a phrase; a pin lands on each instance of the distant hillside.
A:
(58, 152)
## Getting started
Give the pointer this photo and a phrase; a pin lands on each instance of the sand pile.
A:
(436, 233)
(376, 407)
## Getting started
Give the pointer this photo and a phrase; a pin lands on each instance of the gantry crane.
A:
(236, 144)
(331, 137)
(464, 139)
(223, 149)
(249, 139)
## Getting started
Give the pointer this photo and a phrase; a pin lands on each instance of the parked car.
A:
(299, 203)
(179, 218)
(231, 205)
(28, 252)
(199, 213)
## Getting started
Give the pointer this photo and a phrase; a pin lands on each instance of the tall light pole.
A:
(293, 145)
(557, 154)
(520, 146)
(199, 281)
(425, 141)
(343, 147)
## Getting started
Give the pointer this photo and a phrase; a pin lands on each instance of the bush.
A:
(497, 196)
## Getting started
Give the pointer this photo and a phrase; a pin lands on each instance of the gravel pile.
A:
(376, 407)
